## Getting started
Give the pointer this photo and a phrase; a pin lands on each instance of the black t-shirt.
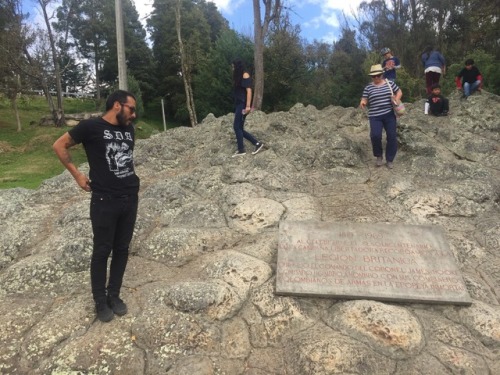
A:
(240, 92)
(109, 150)
(469, 76)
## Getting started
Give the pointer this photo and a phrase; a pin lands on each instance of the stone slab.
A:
(387, 262)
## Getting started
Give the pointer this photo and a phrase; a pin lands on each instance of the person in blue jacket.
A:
(434, 66)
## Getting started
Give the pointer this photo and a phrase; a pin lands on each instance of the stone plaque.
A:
(387, 262)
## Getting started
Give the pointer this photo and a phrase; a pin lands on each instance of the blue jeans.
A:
(469, 88)
(377, 124)
(238, 125)
(113, 221)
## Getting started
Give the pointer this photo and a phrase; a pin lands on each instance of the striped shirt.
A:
(379, 98)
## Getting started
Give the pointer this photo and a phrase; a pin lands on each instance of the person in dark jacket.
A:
(469, 79)
(436, 103)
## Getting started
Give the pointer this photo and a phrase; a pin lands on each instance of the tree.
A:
(317, 85)
(285, 66)
(13, 41)
(57, 112)
(89, 28)
(196, 34)
(139, 56)
(213, 81)
(346, 66)
(272, 12)
(185, 68)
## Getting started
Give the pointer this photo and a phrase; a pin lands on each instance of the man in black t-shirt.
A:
(469, 78)
(109, 144)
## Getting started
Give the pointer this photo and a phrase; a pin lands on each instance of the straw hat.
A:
(375, 70)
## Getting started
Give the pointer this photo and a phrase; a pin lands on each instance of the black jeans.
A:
(113, 221)
(239, 131)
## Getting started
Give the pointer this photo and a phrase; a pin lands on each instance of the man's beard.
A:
(122, 120)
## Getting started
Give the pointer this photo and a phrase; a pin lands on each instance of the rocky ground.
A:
(201, 277)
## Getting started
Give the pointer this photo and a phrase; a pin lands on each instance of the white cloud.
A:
(227, 6)
(322, 18)
(144, 7)
(348, 6)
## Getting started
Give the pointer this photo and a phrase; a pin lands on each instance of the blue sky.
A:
(318, 19)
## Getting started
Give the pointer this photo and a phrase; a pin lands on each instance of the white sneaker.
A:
(380, 161)
(238, 153)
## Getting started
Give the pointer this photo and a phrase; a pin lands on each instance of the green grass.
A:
(26, 157)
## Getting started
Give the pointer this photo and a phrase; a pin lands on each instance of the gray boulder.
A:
(200, 281)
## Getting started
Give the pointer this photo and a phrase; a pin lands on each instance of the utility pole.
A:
(120, 46)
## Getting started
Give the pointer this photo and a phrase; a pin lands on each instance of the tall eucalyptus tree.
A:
(272, 12)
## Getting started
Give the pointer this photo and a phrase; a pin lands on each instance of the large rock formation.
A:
(200, 281)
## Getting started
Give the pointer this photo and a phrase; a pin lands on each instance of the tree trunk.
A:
(120, 47)
(185, 69)
(57, 113)
(41, 78)
(272, 11)
(16, 111)
(97, 80)
(46, 92)
(258, 57)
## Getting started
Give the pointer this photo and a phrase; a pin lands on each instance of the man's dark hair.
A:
(119, 96)
(469, 62)
(435, 86)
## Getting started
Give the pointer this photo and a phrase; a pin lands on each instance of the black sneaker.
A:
(258, 147)
(117, 305)
(104, 312)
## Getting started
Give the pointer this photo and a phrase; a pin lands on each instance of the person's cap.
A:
(375, 70)
(385, 50)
